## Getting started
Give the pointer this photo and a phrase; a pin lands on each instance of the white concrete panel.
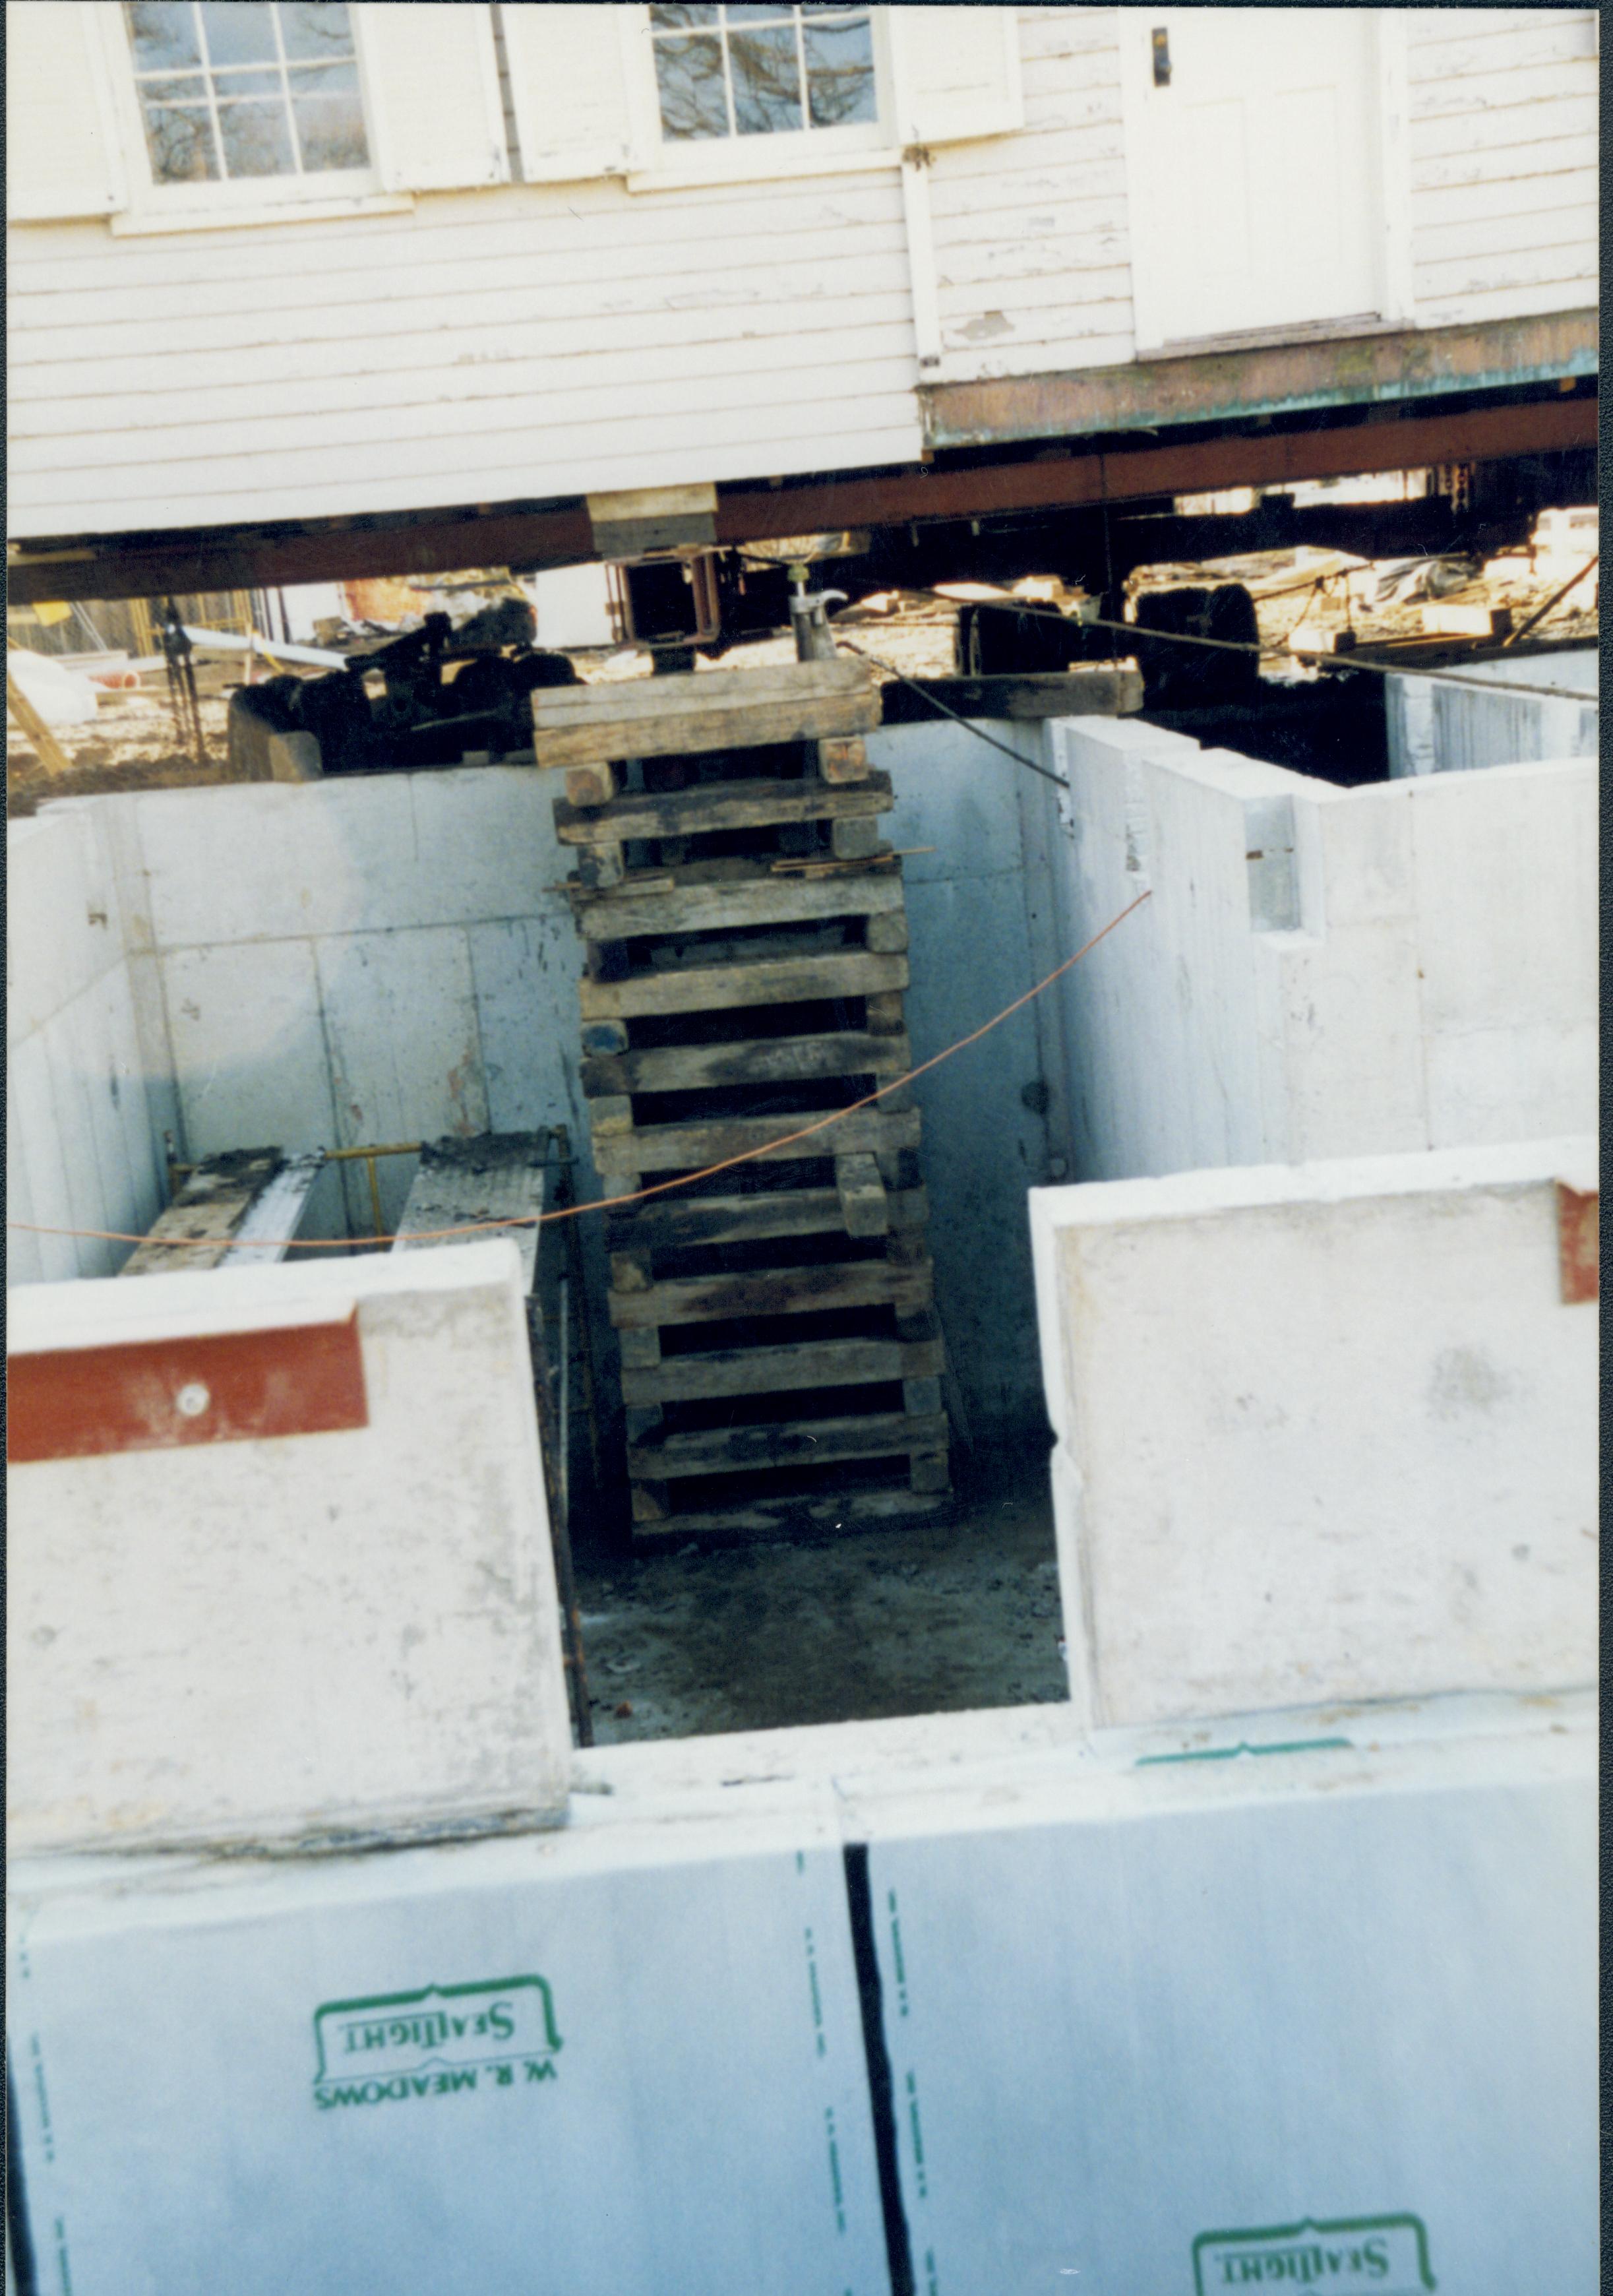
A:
(271, 861)
(954, 794)
(1342, 2001)
(26, 1253)
(483, 838)
(1506, 896)
(1478, 1080)
(346, 1632)
(250, 1047)
(1353, 1074)
(668, 2094)
(526, 970)
(61, 928)
(404, 1052)
(1334, 1431)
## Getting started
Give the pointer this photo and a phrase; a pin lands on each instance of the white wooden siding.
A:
(1032, 254)
(532, 341)
(521, 342)
(1504, 162)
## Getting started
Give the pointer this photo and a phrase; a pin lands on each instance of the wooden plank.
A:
(763, 1060)
(208, 1213)
(789, 1443)
(862, 1194)
(48, 750)
(800, 1514)
(500, 1175)
(716, 709)
(1451, 618)
(774, 1292)
(276, 1215)
(752, 895)
(710, 806)
(854, 837)
(588, 785)
(781, 1371)
(1026, 696)
(758, 980)
(666, 1223)
(691, 1147)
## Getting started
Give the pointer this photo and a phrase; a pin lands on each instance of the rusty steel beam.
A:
(560, 534)
(1274, 379)
(1130, 474)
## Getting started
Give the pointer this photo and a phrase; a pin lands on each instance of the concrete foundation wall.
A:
(1321, 1433)
(1318, 972)
(1439, 728)
(80, 1149)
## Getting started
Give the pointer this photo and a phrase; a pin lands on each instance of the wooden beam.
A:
(578, 726)
(759, 804)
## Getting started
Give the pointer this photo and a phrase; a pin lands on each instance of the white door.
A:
(1253, 161)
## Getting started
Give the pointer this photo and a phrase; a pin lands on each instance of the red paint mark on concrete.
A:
(1577, 1252)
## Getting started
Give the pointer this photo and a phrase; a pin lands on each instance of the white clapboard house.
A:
(304, 263)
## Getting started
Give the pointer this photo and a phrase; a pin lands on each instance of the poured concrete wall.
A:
(215, 1634)
(1318, 972)
(1438, 727)
(80, 1149)
(1323, 1433)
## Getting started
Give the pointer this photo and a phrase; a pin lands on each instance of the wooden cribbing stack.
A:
(746, 942)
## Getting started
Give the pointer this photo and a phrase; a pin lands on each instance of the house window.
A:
(231, 89)
(761, 71)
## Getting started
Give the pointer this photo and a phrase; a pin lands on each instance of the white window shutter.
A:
(568, 76)
(432, 106)
(955, 73)
(62, 155)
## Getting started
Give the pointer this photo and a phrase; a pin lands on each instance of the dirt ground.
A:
(872, 1624)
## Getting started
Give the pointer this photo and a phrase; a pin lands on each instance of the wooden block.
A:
(843, 759)
(774, 1291)
(610, 1117)
(1451, 618)
(862, 1194)
(764, 1060)
(601, 865)
(642, 1420)
(908, 1248)
(640, 1350)
(602, 1037)
(711, 806)
(690, 900)
(594, 785)
(854, 838)
(921, 1396)
(630, 1271)
(760, 1139)
(808, 1514)
(755, 981)
(883, 1013)
(799, 1442)
(606, 960)
(786, 1370)
(648, 1502)
(929, 1471)
(717, 709)
(668, 1222)
(887, 932)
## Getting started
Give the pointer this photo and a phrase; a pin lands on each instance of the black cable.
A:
(990, 740)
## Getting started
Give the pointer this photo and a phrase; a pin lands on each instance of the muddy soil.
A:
(874, 1624)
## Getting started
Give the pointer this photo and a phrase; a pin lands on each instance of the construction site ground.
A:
(868, 1625)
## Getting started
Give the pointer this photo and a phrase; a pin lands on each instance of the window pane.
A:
(239, 31)
(163, 34)
(192, 89)
(766, 81)
(313, 30)
(229, 84)
(256, 140)
(181, 144)
(689, 73)
(329, 118)
(840, 73)
(756, 14)
(678, 19)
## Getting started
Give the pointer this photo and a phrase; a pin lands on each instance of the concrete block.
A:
(525, 970)
(352, 1631)
(249, 1054)
(1485, 1084)
(485, 839)
(1342, 2000)
(617, 2059)
(1367, 866)
(1333, 1428)
(322, 856)
(1345, 1012)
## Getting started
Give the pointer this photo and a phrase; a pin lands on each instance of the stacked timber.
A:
(746, 940)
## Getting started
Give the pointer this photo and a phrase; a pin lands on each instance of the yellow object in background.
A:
(51, 612)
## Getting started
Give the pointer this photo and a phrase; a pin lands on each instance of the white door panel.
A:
(1255, 170)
